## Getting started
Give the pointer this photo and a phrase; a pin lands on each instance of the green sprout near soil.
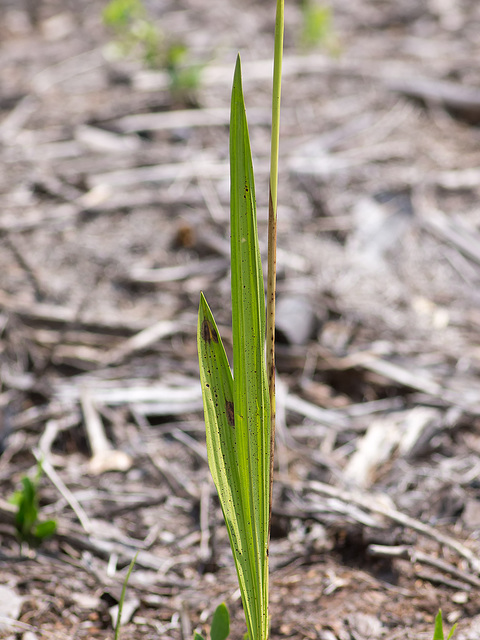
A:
(134, 31)
(438, 633)
(220, 628)
(136, 35)
(30, 528)
(118, 622)
(317, 27)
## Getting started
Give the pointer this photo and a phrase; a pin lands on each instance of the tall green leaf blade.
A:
(237, 410)
(250, 388)
(218, 402)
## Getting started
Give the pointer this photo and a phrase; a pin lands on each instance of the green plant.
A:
(239, 410)
(137, 35)
(220, 628)
(317, 27)
(29, 527)
(438, 632)
(134, 31)
(118, 621)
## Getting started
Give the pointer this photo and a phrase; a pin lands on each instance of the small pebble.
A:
(461, 597)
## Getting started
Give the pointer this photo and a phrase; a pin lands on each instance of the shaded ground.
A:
(114, 215)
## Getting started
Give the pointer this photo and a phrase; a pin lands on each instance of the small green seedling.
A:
(317, 27)
(184, 77)
(137, 35)
(134, 31)
(118, 622)
(29, 527)
(220, 628)
(438, 633)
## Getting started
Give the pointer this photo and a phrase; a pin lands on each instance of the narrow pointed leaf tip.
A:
(438, 631)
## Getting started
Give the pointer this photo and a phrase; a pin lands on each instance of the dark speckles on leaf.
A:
(229, 408)
(207, 332)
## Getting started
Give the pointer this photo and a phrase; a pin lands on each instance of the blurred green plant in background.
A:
(134, 32)
(30, 528)
(137, 36)
(317, 27)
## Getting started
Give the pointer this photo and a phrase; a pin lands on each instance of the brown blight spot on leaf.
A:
(229, 408)
(207, 332)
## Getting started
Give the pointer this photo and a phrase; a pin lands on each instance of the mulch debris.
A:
(114, 197)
